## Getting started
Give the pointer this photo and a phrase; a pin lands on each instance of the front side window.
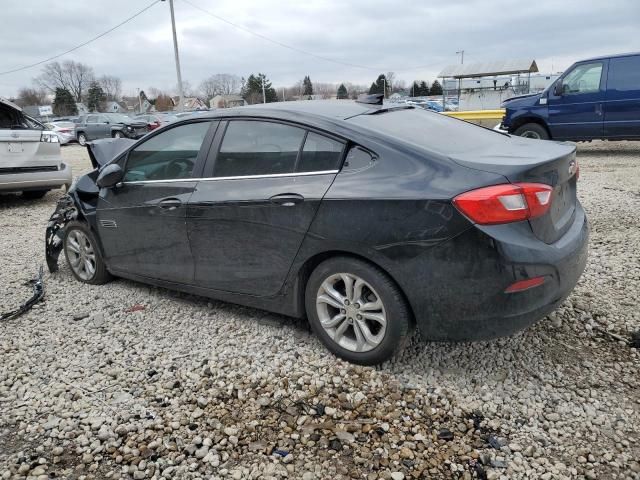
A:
(92, 119)
(319, 154)
(258, 148)
(583, 79)
(170, 155)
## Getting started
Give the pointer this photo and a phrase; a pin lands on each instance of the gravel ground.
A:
(185, 387)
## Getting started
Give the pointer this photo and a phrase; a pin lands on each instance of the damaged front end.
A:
(65, 212)
(81, 201)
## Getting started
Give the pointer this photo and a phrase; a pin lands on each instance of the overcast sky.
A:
(414, 38)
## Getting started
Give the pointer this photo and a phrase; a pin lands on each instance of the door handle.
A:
(287, 199)
(599, 109)
(169, 203)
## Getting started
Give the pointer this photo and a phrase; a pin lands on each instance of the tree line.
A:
(71, 82)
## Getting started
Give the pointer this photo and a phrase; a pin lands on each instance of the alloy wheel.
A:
(81, 254)
(351, 312)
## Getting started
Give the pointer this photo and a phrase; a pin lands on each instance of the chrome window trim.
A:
(241, 177)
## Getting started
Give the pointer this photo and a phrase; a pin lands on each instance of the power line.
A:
(290, 47)
(82, 44)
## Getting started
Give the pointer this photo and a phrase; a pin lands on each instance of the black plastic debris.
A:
(445, 434)
(335, 444)
(635, 340)
(37, 285)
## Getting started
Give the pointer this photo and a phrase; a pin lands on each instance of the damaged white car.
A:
(30, 160)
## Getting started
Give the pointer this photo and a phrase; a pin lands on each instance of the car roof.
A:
(327, 109)
(605, 57)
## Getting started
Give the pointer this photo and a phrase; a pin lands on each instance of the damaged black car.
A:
(365, 218)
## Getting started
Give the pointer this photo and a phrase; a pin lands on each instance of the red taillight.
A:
(505, 203)
(524, 284)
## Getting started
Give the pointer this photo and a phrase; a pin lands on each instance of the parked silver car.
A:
(66, 131)
(30, 160)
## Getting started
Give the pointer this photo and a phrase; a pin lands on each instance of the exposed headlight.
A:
(129, 127)
(49, 137)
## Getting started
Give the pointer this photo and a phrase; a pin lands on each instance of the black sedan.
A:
(367, 219)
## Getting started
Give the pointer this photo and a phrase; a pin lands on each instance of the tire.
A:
(82, 139)
(325, 316)
(118, 134)
(532, 130)
(34, 194)
(81, 244)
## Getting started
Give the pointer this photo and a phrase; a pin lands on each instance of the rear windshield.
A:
(12, 119)
(429, 130)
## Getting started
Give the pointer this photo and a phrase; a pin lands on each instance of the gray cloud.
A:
(383, 35)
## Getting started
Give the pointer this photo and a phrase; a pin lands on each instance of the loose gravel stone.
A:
(187, 387)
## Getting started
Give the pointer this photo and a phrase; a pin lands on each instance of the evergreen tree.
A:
(436, 88)
(96, 98)
(342, 92)
(64, 104)
(379, 86)
(307, 86)
(252, 89)
(414, 89)
(424, 89)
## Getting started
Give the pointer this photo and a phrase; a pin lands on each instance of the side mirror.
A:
(110, 175)
(558, 89)
(106, 122)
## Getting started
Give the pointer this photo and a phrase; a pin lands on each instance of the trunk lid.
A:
(535, 161)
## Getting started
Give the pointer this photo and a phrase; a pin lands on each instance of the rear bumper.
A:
(19, 182)
(467, 301)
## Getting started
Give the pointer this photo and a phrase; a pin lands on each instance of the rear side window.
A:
(624, 74)
(320, 153)
(169, 155)
(258, 148)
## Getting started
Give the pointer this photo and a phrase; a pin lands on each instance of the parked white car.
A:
(30, 160)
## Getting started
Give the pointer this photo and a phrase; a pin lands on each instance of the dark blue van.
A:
(595, 98)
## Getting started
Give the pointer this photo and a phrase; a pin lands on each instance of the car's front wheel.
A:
(82, 139)
(83, 255)
(532, 130)
(118, 134)
(356, 310)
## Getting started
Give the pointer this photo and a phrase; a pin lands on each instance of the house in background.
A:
(115, 107)
(227, 101)
(190, 103)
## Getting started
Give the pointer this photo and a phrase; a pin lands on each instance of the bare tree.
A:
(69, 75)
(112, 87)
(391, 78)
(32, 96)
(399, 86)
(220, 84)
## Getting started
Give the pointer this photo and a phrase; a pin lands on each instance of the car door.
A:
(576, 112)
(247, 220)
(141, 221)
(622, 105)
(91, 127)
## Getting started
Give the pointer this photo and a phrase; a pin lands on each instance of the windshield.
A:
(117, 117)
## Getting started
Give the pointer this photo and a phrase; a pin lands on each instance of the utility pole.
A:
(384, 87)
(264, 96)
(461, 53)
(283, 99)
(175, 50)
(139, 100)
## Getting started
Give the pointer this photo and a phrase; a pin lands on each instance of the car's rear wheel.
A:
(34, 194)
(82, 139)
(83, 255)
(532, 130)
(356, 310)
